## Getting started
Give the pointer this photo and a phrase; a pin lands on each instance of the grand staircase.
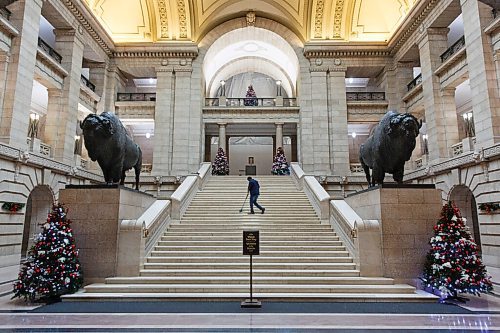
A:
(200, 257)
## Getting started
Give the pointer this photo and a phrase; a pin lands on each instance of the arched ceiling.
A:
(129, 21)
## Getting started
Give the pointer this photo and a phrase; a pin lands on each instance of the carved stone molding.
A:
(345, 54)
(86, 24)
(181, 7)
(155, 54)
(162, 9)
(318, 19)
(337, 19)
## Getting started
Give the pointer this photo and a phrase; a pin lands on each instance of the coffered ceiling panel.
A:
(168, 20)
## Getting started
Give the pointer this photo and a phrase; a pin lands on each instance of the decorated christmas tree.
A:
(280, 165)
(251, 97)
(220, 166)
(453, 265)
(52, 268)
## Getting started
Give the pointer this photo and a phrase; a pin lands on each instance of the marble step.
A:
(241, 226)
(245, 280)
(295, 254)
(418, 296)
(258, 265)
(239, 288)
(245, 259)
(256, 218)
(239, 233)
(263, 244)
(236, 213)
(256, 272)
(290, 249)
(238, 237)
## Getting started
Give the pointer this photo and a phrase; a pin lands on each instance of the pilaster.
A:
(14, 118)
(440, 109)
(482, 76)
(337, 123)
(62, 114)
(319, 123)
(98, 76)
(163, 138)
(397, 79)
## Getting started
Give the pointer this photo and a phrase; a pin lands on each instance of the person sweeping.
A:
(253, 189)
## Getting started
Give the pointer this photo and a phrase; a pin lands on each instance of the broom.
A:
(241, 209)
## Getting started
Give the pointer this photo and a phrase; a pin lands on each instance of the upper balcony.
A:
(250, 102)
(136, 105)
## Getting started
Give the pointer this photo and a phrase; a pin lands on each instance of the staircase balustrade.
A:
(317, 195)
(182, 197)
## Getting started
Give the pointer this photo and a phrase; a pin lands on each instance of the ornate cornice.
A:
(347, 53)
(162, 9)
(155, 54)
(86, 24)
(415, 22)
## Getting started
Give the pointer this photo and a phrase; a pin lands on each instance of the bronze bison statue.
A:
(108, 143)
(389, 146)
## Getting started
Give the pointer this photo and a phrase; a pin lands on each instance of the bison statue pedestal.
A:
(97, 212)
(406, 216)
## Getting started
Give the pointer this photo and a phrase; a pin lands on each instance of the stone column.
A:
(98, 76)
(279, 135)
(4, 65)
(182, 123)
(339, 141)
(318, 121)
(482, 76)
(113, 84)
(162, 140)
(222, 136)
(440, 110)
(62, 114)
(397, 79)
(17, 102)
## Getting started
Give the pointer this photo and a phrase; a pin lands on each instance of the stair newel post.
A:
(250, 248)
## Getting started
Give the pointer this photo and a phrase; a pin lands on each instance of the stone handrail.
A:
(316, 194)
(362, 238)
(297, 175)
(204, 174)
(136, 238)
(182, 197)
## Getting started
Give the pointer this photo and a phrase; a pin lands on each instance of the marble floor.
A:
(16, 316)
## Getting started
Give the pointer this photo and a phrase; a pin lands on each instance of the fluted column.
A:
(162, 140)
(62, 114)
(14, 118)
(440, 109)
(482, 76)
(222, 136)
(279, 135)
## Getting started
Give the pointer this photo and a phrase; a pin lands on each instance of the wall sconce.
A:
(353, 134)
(278, 87)
(78, 145)
(148, 135)
(425, 137)
(470, 130)
(223, 88)
(33, 125)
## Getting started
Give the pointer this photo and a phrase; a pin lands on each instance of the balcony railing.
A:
(459, 44)
(136, 97)
(5, 13)
(415, 82)
(49, 50)
(365, 96)
(251, 102)
(87, 83)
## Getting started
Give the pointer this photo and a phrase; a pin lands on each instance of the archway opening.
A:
(38, 206)
(464, 199)
(247, 50)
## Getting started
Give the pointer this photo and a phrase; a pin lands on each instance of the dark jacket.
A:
(253, 187)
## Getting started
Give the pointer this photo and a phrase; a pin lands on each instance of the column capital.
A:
(431, 34)
(54, 92)
(222, 124)
(279, 124)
